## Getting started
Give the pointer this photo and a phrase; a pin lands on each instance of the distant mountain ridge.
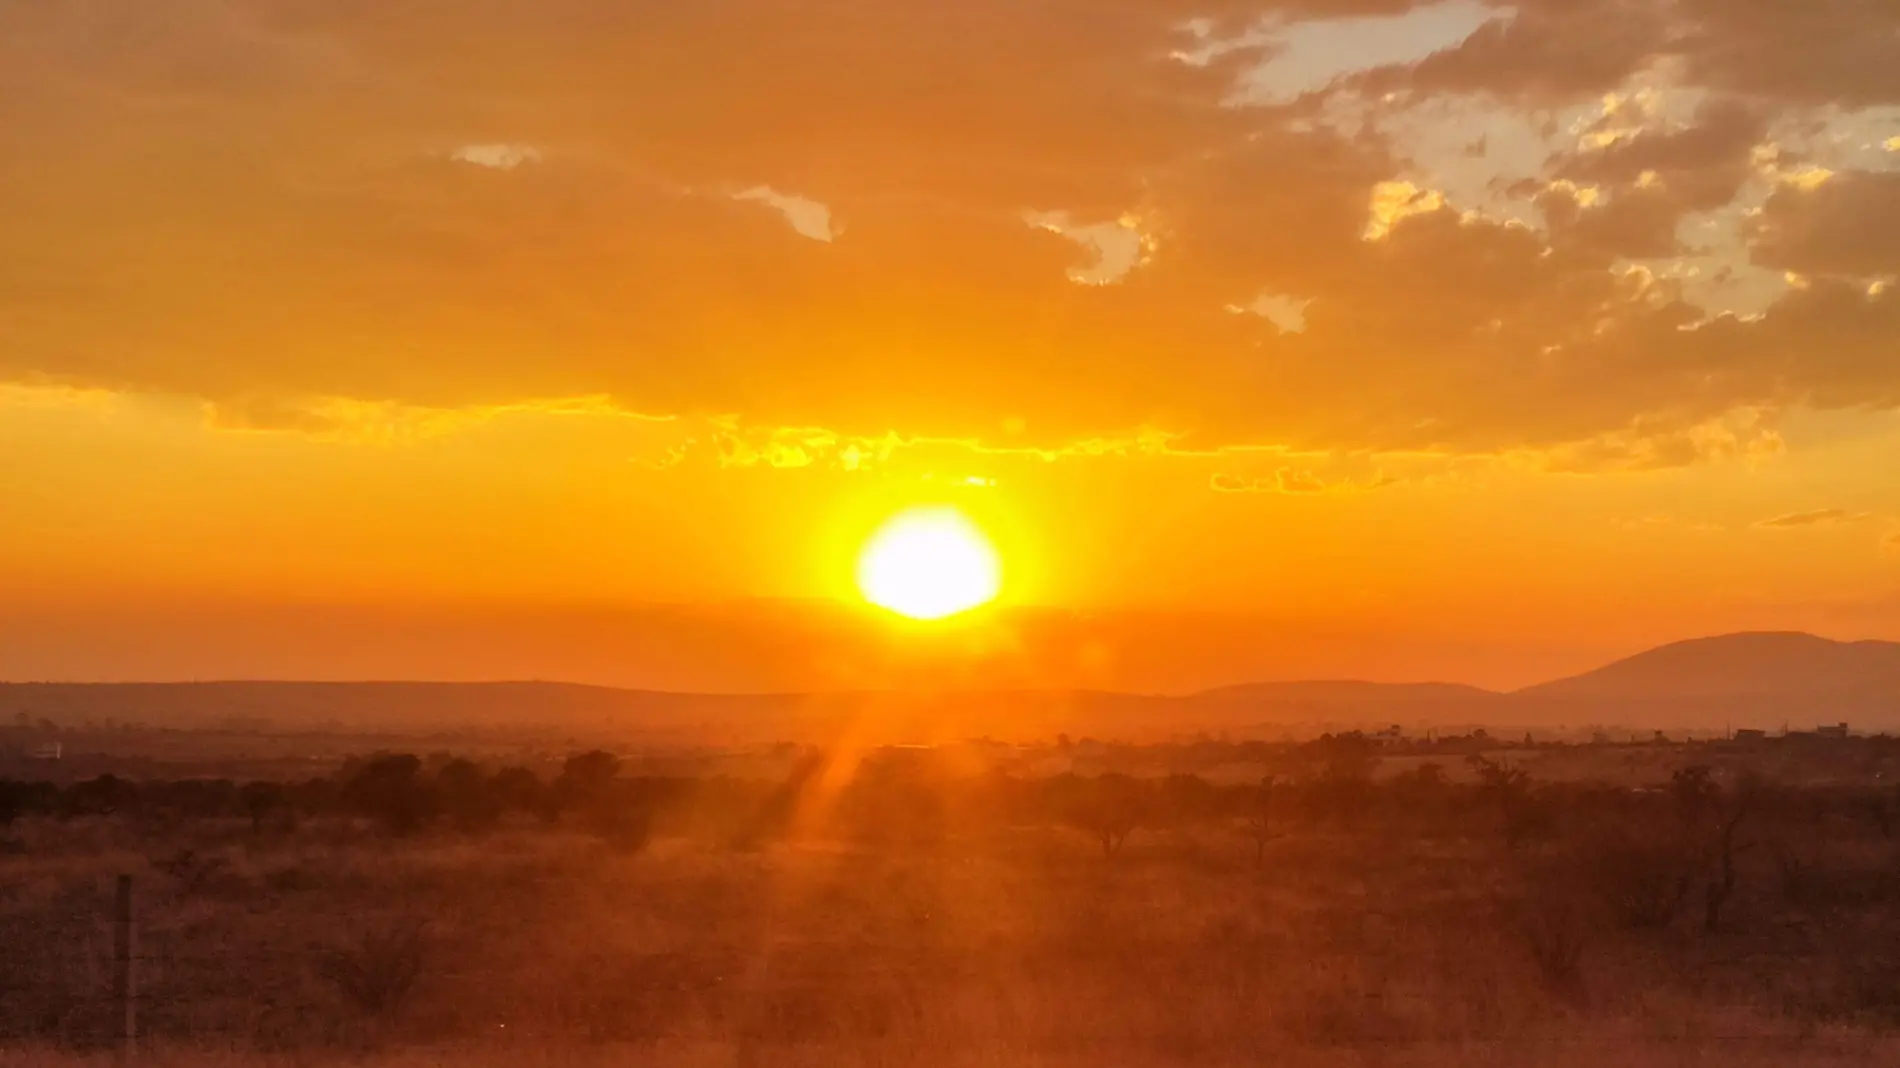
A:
(1759, 662)
(1761, 679)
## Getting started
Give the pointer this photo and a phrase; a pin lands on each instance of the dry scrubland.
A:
(899, 919)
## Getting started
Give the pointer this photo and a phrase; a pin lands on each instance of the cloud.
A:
(346, 419)
(1049, 220)
(1395, 201)
(1844, 225)
(1819, 517)
(500, 157)
(1287, 314)
(1302, 56)
(1298, 482)
(1119, 245)
(807, 217)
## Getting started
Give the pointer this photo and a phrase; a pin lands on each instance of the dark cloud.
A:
(1703, 165)
(1551, 51)
(1640, 187)
(1842, 52)
(1848, 225)
(463, 205)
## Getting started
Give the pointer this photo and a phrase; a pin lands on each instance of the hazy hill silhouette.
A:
(1754, 679)
(1749, 663)
(1751, 679)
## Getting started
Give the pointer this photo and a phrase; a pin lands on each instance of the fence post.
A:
(124, 974)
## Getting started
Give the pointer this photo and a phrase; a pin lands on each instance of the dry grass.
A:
(1021, 947)
(1582, 1053)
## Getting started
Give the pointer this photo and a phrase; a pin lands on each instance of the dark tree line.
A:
(1694, 828)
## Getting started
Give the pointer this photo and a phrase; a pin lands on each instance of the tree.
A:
(102, 796)
(1694, 791)
(467, 794)
(261, 799)
(516, 789)
(1508, 789)
(586, 779)
(1343, 786)
(1721, 884)
(389, 789)
(15, 796)
(1188, 799)
(1259, 819)
(1110, 807)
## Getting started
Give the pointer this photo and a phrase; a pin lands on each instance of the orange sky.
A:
(1309, 338)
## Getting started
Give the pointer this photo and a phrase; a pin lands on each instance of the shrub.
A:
(1641, 876)
(1556, 934)
(379, 968)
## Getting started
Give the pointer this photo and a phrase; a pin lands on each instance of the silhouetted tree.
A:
(261, 799)
(390, 790)
(1259, 820)
(1110, 807)
(1721, 884)
(517, 789)
(1694, 791)
(102, 796)
(1187, 799)
(14, 799)
(467, 795)
(1508, 790)
(1342, 788)
(585, 779)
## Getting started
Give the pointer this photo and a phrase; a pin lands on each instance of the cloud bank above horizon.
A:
(1629, 234)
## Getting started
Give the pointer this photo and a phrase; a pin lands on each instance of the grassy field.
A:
(1403, 929)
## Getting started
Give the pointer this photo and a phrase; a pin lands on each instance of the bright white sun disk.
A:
(929, 563)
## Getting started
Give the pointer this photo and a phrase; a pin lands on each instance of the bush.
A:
(379, 969)
(1641, 876)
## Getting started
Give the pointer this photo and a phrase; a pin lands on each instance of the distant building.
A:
(47, 751)
(1749, 734)
(1838, 730)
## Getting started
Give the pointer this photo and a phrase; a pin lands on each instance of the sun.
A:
(929, 563)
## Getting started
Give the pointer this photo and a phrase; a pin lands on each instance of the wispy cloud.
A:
(810, 218)
(500, 157)
(1818, 518)
(1293, 481)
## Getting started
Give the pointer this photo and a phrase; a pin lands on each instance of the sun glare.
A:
(929, 563)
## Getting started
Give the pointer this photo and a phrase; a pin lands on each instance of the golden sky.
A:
(589, 340)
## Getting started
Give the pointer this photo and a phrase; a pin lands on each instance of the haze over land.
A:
(1760, 680)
